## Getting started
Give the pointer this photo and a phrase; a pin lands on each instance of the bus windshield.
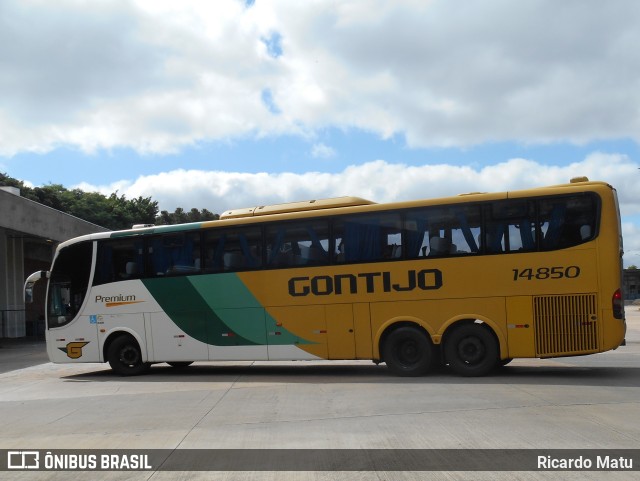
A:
(68, 283)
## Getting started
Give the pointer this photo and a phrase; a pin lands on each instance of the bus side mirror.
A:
(30, 282)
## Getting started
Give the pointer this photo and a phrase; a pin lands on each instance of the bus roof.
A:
(309, 207)
(316, 204)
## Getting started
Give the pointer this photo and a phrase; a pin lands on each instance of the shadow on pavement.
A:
(336, 373)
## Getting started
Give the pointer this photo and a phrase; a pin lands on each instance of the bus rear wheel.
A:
(504, 362)
(408, 352)
(125, 358)
(471, 350)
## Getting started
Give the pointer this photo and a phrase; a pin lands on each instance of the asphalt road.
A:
(590, 402)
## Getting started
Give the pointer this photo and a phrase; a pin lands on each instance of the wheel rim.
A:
(408, 352)
(471, 350)
(129, 356)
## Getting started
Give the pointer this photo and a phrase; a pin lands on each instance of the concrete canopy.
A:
(29, 233)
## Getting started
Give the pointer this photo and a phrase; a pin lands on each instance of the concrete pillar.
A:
(11, 281)
(4, 281)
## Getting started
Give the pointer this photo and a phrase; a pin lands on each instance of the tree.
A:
(113, 212)
(125, 213)
(179, 216)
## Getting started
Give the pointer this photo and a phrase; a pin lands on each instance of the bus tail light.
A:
(618, 305)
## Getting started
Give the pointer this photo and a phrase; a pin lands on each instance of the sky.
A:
(234, 103)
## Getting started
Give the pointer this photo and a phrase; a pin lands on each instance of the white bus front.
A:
(71, 336)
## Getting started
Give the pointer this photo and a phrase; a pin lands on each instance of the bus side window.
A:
(443, 231)
(510, 227)
(174, 254)
(465, 229)
(338, 254)
(298, 243)
(213, 248)
(368, 238)
(237, 250)
(119, 260)
(440, 246)
(567, 221)
(417, 234)
(281, 249)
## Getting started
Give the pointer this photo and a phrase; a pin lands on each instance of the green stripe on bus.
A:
(160, 229)
(186, 307)
(234, 303)
(218, 310)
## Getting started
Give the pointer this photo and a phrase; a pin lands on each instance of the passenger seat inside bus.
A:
(130, 270)
(315, 255)
(585, 232)
(439, 246)
(233, 261)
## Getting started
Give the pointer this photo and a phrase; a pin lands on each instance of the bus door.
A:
(340, 331)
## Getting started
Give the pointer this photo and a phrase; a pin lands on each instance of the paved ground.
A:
(21, 353)
(590, 402)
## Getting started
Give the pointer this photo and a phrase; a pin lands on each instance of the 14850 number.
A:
(542, 273)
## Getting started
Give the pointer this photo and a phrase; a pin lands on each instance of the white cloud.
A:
(382, 181)
(631, 235)
(159, 75)
(322, 151)
(379, 181)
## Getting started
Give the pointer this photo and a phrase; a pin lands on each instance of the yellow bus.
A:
(470, 282)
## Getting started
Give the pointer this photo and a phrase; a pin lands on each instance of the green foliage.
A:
(113, 212)
(179, 216)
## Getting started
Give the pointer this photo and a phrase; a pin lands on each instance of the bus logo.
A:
(117, 300)
(23, 459)
(73, 350)
(373, 282)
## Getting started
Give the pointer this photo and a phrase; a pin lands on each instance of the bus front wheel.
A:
(125, 358)
(471, 350)
(407, 352)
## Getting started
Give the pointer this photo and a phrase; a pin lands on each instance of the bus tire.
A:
(408, 352)
(125, 357)
(504, 362)
(180, 364)
(471, 350)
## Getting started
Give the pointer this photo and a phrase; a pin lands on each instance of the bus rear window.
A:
(567, 221)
